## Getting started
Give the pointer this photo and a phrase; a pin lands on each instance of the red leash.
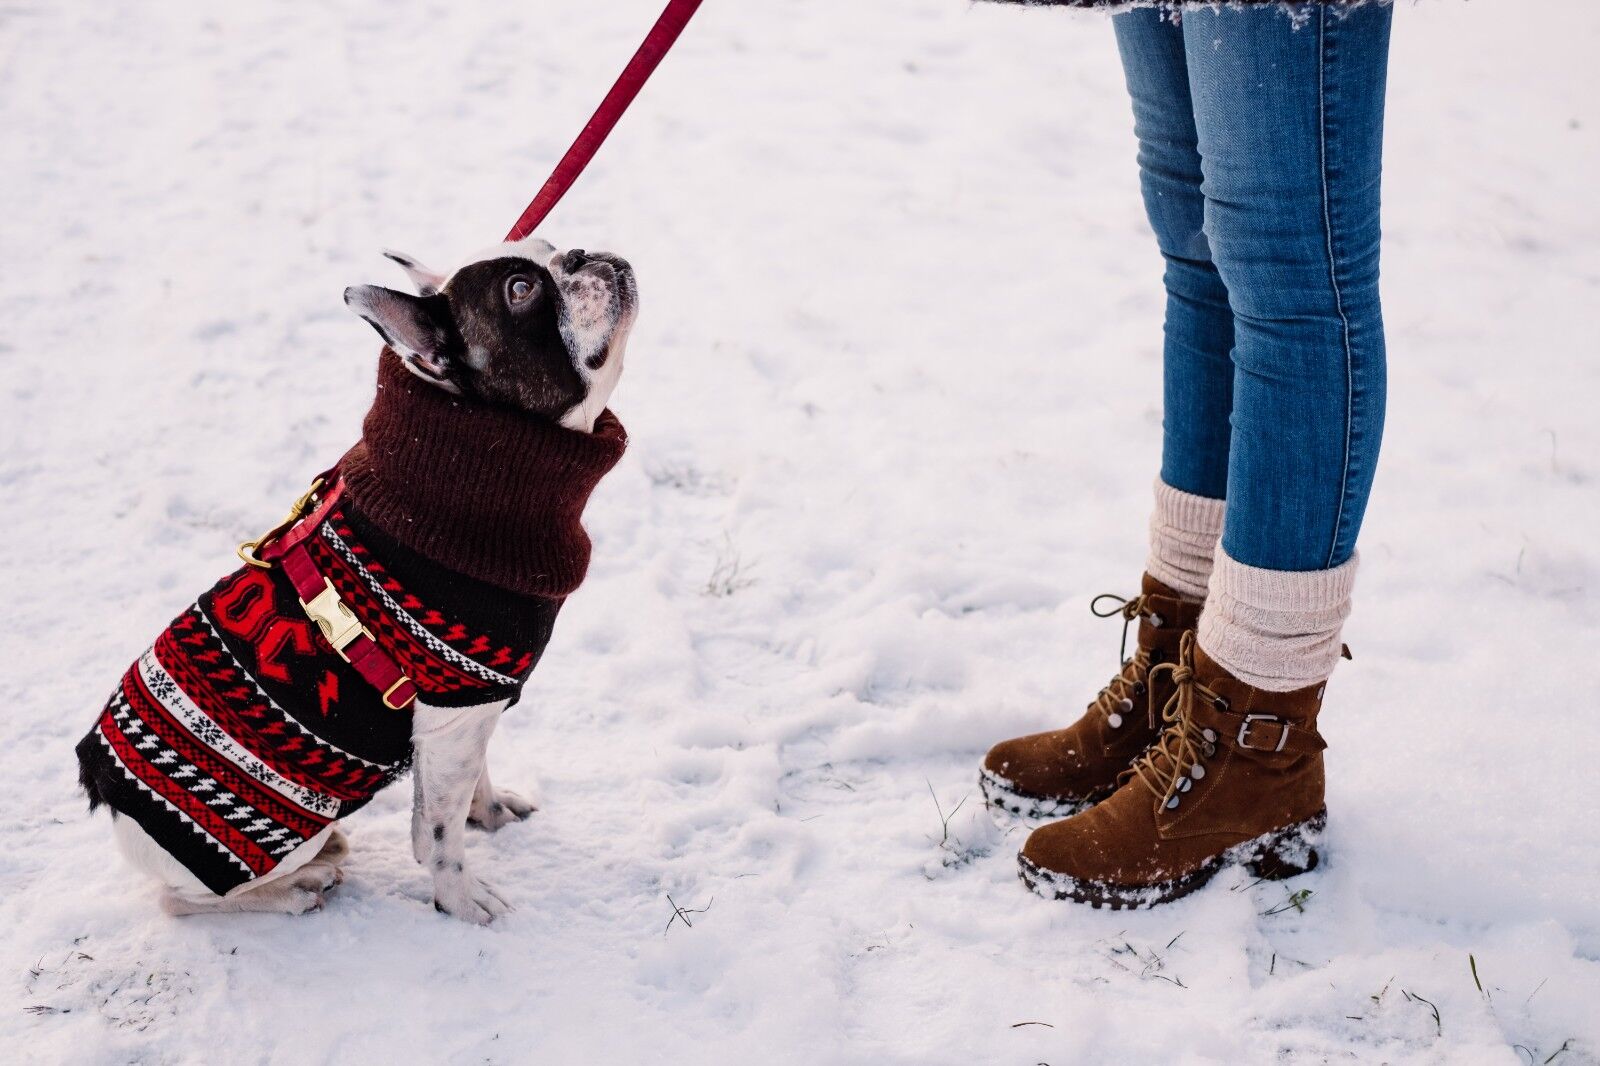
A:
(644, 62)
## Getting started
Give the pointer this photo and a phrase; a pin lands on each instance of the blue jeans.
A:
(1260, 150)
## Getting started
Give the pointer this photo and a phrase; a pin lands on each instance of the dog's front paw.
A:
(464, 896)
(501, 809)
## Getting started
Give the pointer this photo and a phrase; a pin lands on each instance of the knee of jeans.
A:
(1289, 281)
(1321, 353)
(1285, 268)
(1178, 224)
(1195, 279)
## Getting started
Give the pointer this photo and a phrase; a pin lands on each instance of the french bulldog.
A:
(207, 796)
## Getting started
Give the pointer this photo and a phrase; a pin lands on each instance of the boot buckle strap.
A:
(1248, 726)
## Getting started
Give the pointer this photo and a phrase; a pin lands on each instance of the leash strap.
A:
(644, 62)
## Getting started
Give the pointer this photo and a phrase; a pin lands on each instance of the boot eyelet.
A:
(1172, 802)
(1156, 620)
(1114, 720)
(1184, 784)
(1125, 705)
(1210, 735)
(1197, 771)
(1221, 703)
(1138, 688)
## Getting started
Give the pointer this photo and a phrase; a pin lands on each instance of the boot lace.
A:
(1176, 760)
(1129, 607)
(1116, 699)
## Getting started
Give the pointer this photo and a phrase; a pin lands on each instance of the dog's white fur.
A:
(450, 770)
(601, 382)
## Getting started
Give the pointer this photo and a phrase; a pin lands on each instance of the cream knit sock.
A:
(1276, 629)
(1184, 529)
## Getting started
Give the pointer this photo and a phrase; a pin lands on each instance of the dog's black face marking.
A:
(493, 334)
(530, 328)
(507, 313)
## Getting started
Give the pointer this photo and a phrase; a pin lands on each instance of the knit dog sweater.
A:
(240, 733)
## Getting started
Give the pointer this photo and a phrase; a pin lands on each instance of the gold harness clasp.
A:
(250, 550)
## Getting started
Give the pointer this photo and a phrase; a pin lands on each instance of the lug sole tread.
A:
(1277, 854)
(1003, 795)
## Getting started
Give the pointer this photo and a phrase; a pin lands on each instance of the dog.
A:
(447, 538)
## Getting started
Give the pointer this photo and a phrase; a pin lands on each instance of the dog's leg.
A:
(328, 861)
(294, 893)
(493, 808)
(449, 744)
(295, 886)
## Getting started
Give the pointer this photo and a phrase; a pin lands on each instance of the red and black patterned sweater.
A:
(240, 734)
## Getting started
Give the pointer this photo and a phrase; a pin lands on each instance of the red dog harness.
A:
(286, 545)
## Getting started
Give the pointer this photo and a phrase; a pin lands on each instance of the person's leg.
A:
(1196, 369)
(1063, 770)
(1288, 109)
(1292, 168)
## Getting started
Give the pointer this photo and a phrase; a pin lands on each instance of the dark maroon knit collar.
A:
(488, 492)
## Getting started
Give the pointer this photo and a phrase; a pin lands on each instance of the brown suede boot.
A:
(1066, 770)
(1236, 777)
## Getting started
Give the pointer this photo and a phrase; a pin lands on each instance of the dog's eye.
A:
(520, 290)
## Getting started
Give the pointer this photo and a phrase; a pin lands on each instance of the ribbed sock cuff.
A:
(1184, 530)
(1276, 629)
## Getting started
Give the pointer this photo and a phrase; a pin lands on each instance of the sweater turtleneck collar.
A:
(488, 492)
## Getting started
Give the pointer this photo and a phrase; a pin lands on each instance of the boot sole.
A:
(1272, 856)
(1003, 795)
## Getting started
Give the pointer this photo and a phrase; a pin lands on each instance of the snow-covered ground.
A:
(894, 407)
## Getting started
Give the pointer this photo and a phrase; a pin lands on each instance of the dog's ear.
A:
(427, 281)
(409, 323)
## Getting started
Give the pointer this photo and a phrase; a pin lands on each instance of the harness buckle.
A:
(1243, 739)
(333, 616)
(388, 695)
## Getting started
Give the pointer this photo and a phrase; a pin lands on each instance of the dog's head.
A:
(523, 325)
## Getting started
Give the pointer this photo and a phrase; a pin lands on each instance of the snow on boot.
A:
(1236, 777)
(1066, 770)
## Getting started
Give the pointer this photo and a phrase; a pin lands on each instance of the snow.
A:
(894, 405)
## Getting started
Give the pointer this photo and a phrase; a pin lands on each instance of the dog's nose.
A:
(574, 259)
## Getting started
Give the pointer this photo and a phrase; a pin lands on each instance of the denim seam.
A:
(1333, 278)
